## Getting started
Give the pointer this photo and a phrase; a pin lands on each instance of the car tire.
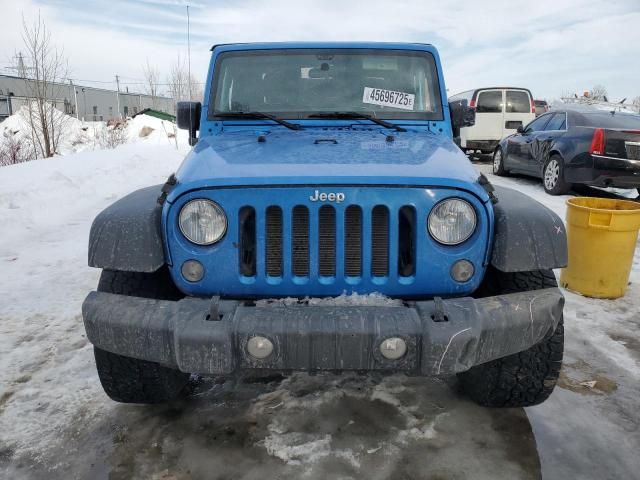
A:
(526, 378)
(553, 177)
(498, 163)
(130, 380)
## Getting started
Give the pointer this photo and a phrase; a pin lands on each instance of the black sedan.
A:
(566, 147)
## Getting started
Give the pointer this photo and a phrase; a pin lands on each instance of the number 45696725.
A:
(391, 98)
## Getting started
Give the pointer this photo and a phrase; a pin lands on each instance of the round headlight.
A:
(202, 222)
(452, 221)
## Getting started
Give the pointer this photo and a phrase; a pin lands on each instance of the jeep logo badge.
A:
(337, 197)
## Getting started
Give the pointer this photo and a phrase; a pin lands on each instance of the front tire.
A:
(553, 177)
(498, 163)
(526, 378)
(130, 380)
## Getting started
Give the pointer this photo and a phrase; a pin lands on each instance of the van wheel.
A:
(553, 177)
(498, 163)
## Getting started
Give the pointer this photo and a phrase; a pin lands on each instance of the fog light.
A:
(192, 270)
(393, 348)
(259, 347)
(462, 270)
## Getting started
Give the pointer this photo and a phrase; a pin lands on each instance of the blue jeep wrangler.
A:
(326, 221)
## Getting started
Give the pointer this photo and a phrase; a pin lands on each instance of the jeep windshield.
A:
(300, 84)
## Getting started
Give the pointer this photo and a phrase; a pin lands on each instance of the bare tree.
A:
(43, 68)
(152, 81)
(181, 85)
(598, 92)
(13, 150)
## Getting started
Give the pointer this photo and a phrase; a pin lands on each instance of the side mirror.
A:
(520, 129)
(462, 115)
(188, 117)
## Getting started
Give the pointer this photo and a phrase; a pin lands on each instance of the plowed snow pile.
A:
(77, 136)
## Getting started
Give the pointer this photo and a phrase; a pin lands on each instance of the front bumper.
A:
(209, 336)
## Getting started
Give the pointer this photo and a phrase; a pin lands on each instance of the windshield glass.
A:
(301, 83)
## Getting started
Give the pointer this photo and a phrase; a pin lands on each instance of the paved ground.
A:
(55, 421)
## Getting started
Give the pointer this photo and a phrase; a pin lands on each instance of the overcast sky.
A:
(549, 46)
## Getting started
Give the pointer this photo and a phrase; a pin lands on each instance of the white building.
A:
(85, 103)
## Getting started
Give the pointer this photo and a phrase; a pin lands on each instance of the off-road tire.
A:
(559, 187)
(526, 378)
(129, 380)
(157, 284)
(126, 379)
(498, 163)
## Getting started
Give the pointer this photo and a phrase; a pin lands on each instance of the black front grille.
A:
(351, 243)
(300, 241)
(327, 241)
(380, 241)
(274, 242)
(406, 241)
(247, 247)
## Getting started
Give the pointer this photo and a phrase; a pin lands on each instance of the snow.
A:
(344, 300)
(51, 400)
(46, 210)
(78, 136)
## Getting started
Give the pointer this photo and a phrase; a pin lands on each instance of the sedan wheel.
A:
(552, 178)
(498, 165)
(551, 174)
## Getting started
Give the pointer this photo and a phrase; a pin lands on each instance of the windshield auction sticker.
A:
(388, 98)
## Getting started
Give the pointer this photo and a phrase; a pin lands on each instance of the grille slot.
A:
(353, 241)
(407, 241)
(274, 241)
(247, 247)
(327, 241)
(380, 241)
(300, 241)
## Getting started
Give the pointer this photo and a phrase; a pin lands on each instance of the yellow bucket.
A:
(602, 235)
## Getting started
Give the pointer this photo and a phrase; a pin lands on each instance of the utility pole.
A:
(118, 95)
(75, 96)
(188, 53)
(84, 97)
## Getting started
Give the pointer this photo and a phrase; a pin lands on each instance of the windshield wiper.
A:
(356, 115)
(268, 116)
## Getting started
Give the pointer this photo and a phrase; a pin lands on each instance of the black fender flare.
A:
(527, 235)
(127, 235)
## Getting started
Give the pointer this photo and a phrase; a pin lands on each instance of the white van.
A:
(499, 112)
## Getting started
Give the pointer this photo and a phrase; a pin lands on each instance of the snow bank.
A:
(47, 379)
(78, 136)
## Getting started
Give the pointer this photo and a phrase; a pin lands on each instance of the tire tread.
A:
(130, 380)
(526, 378)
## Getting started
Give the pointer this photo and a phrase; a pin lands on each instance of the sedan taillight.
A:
(597, 142)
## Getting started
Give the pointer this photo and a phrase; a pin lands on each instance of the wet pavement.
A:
(348, 427)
